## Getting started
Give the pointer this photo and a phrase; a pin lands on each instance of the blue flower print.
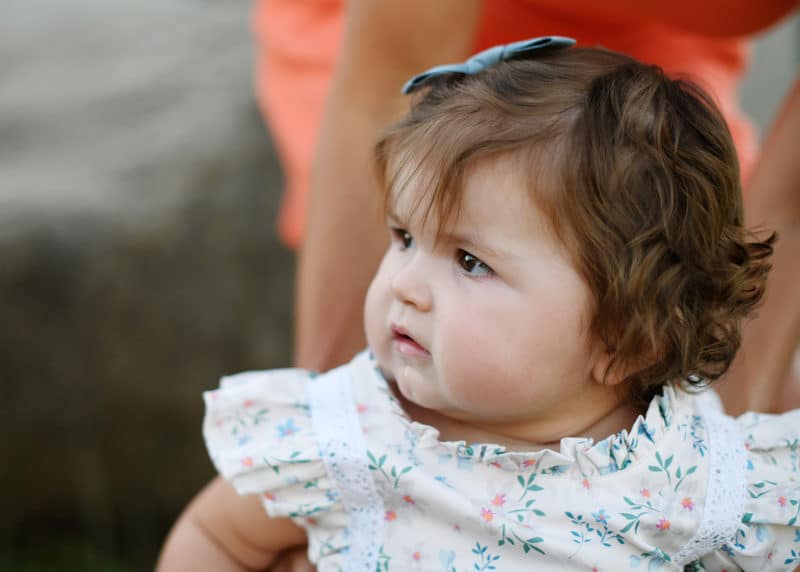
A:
(446, 559)
(442, 479)
(287, 429)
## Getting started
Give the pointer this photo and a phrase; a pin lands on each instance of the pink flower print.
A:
(782, 501)
(527, 463)
(269, 496)
(487, 515)
(311, 521)
(688, 504)
(645, 493)
(408, 499)
(247, 403)
(496, 465)
(361, 408)
(415, 556)
(586, 484)
(663, 524)
(247, 462)
(390, 516)
(499, 500)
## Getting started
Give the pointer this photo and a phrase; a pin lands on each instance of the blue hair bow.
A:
(489, 57)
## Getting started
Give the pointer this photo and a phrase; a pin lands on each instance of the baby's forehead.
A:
(443, 203)
(412, 183)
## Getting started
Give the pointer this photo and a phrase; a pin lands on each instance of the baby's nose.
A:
(411, 285)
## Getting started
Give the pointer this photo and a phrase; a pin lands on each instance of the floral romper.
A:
(687, 486)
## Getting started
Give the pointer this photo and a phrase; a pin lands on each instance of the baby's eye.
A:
(403, 236)
(472, 265)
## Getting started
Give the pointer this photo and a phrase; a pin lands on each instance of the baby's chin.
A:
(398, 382)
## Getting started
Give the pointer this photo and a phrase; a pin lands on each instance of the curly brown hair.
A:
(639, 177)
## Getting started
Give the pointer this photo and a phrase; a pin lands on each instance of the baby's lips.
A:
(405, 342)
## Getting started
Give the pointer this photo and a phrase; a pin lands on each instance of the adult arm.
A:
(711, 18)
(758, 378)
(386, 42)
(221, 531)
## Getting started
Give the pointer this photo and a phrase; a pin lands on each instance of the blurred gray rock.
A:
(138, 259)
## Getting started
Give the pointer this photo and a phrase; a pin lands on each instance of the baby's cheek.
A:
(376, 306)
(473, 367)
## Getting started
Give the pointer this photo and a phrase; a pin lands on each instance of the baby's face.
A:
(489, 323)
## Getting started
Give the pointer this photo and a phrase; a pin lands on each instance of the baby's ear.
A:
(605, 371)
(608, 370)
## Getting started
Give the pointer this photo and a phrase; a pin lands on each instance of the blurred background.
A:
(139, 261)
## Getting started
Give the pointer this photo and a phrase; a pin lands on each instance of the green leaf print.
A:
(793, 520)
(634, 517)
(393, 476)
(528, 486)
(761, 488)
(681, 478)
(663, 467)
(509, 535)
(294, 459)
(486, 558)
(383, 561)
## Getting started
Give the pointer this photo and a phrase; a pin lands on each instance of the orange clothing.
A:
(299, 43)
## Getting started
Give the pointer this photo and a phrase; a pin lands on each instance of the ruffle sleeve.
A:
(768, 537)
(259, 434)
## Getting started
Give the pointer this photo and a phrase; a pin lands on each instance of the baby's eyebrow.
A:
(471, 243)
(393, 218)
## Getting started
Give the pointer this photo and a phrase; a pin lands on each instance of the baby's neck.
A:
(518, 438)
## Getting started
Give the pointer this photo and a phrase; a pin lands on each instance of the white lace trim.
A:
(342, 447)
(727, 489)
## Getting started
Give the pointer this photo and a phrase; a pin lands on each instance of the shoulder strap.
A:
(343, 448)
(727, 488)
